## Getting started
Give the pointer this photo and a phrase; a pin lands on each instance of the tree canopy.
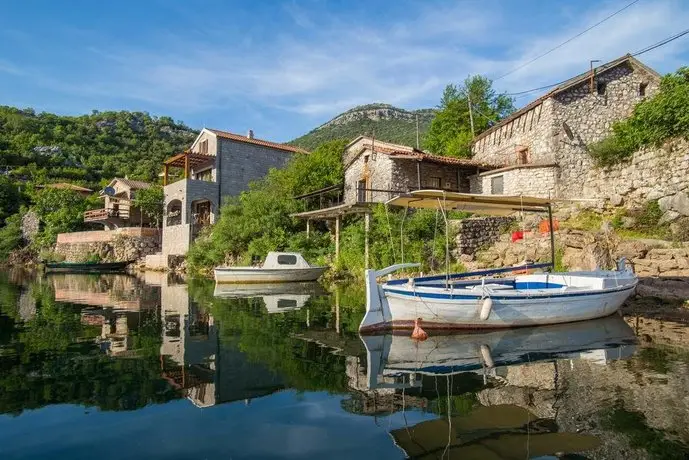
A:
(450, 133)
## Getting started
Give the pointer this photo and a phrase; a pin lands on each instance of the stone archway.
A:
(173, 213)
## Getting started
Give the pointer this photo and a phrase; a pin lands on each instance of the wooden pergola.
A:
(186, 160)
(336, 213)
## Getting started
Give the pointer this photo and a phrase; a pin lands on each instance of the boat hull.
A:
(400, 306)
(246, 275)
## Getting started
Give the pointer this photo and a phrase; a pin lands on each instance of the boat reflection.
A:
(278, 297)
(506, 424)
(395, 360)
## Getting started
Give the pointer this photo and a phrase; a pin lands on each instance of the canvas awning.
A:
(495, 205)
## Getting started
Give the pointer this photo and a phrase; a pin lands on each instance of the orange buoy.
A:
(418, 333)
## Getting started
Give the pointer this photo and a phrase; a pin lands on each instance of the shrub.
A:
(653, 121)
(10, 236)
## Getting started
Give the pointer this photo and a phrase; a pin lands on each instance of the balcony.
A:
(103, 215)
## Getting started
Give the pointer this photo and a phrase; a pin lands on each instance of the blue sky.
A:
(284, 67)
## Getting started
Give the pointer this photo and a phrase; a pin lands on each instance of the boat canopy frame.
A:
(491, 205)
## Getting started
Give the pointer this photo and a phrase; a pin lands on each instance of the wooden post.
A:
(165, 174)
(308, 228)
(186, 165)
(367, 227)
(337, 238)
(418, 175)
(337, 310)
(552, 235)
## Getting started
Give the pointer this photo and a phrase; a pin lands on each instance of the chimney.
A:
(250, 134)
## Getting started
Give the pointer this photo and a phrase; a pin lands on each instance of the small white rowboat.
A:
(454, 302)
(279, 267)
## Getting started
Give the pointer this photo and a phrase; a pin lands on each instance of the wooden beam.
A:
(367, 227)
(308, 228)
(418, 175)
(165, 174)
(337, 238)
(186, 165)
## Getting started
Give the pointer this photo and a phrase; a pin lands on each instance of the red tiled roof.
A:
(412, 153)
(66, 186)
(272, 145)
(133, 184)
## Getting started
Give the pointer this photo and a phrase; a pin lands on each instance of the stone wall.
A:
(377, 168)
(241, 163)
(478, 232)
(176, 239)
(658, 173)
(110, 246)
(559, 129)
(530, 180)
(582, 118)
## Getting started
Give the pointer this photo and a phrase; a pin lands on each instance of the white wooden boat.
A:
(279, 267)
(397, 355)
(453, 301)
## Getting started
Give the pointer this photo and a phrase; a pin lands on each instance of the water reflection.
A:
(124, 343)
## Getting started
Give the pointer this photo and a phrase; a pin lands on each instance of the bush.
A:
(653, 122)
(10, 236)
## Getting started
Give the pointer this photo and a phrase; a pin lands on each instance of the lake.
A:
(120, 366)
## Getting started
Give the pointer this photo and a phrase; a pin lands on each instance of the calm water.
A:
(117, 366)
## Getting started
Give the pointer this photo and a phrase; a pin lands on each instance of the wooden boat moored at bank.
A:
(279, 267)
(454, 301)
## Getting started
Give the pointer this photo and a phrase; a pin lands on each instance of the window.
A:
(206, 175)
(174, 213)
(203, 147)
(522, 155)
(361, 195)
(642, 89)
(601, 87)
(433, 182)
(497, 185)
(287, 259)
(287, 303)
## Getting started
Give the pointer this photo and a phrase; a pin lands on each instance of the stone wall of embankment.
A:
(124, 244)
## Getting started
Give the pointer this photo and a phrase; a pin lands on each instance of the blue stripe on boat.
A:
(455, 276)
(478, 295)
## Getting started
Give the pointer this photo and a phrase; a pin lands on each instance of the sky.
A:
(282, 68)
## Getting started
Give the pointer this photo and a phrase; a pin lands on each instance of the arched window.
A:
(174, 213)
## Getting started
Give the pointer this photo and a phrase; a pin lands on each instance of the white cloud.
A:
(328, 64)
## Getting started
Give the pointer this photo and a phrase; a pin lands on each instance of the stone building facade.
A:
(218, 165)
(376, 171)
(552, 134)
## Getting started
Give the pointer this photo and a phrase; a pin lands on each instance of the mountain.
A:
(86, 149)
(389, 123)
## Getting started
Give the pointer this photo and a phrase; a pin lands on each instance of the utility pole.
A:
(471, 114)
(591, 63)
(417, 130)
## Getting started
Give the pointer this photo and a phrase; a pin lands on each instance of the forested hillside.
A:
(389, 124)
(85, 149)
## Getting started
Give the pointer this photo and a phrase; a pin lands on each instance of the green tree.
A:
(60, 211)
(450, 131)
(151, 201)
(10, 198)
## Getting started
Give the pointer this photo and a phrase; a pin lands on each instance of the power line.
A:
(661, 43)
(566, 41)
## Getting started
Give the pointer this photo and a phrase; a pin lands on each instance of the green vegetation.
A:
(655, 120)
(450, 132)
(151, 201)
(399, 130)
(89, 150)
(641, 436)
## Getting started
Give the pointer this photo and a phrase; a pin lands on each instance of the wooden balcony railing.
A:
(100, 215)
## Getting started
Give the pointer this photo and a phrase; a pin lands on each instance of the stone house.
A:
(118, 208)
(375, 171)
(542, 149)
(218, 165)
